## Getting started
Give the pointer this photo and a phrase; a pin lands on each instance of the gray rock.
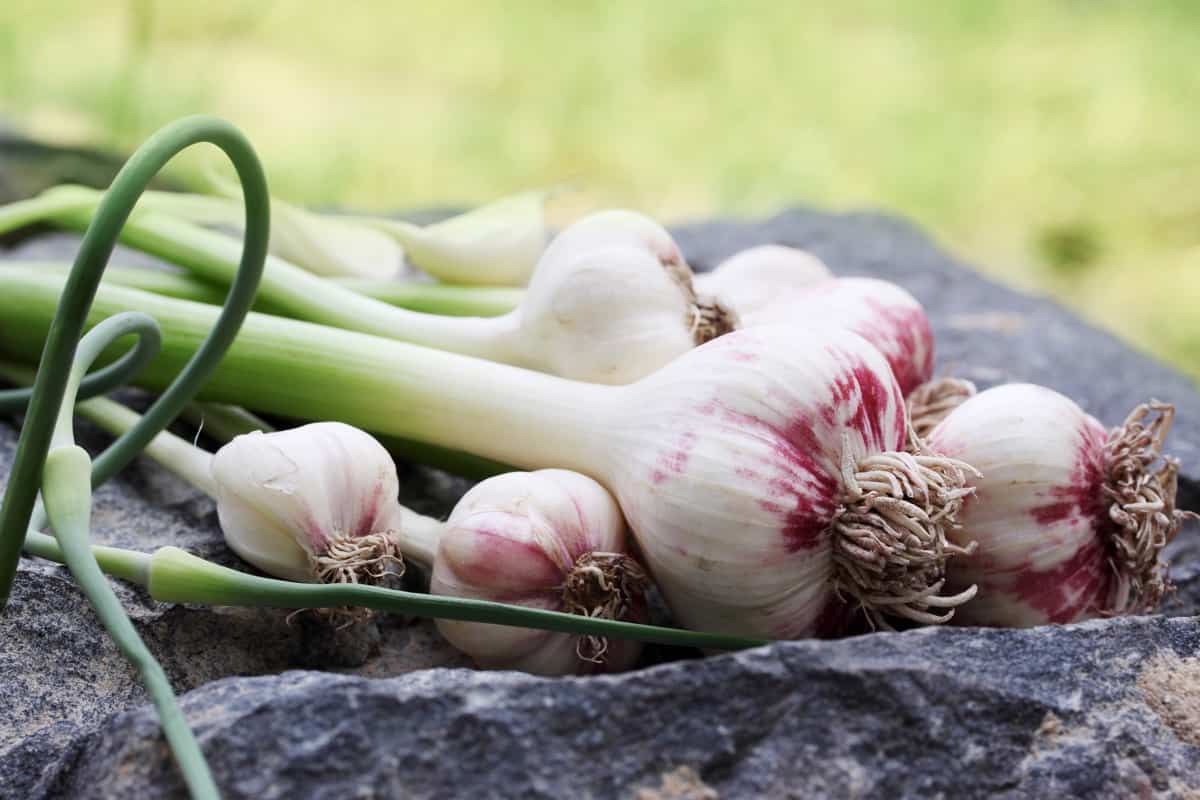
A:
(1103, 709)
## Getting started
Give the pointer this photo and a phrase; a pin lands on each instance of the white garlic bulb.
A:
(755, 277)
(315, 503)
(1069, 518)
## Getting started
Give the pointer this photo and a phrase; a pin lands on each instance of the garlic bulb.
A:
(611, 300)
(768, 488)
(1070, 519)
(549, 539)
(881, 312)
(494, 245)
(754, 278)
(315, 503)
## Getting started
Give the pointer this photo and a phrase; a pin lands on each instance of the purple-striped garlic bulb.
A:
(550, 539)
(314, 503)
(879, 311)
(1069, 519)
(766, 479)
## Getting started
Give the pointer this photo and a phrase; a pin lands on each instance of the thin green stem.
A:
(300, 294)
(304, 371)
(67, 490)
(430, 298)
(78, 294)
(128, 565)
(101, 381)
(67, 500)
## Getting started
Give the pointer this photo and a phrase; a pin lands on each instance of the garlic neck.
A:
(1142, 509)
(889, 535)
(418, 537)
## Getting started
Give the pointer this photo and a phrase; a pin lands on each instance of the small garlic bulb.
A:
(754, 278)
(611, 300)
(315, 503)
(550, 539)
(1069, 518)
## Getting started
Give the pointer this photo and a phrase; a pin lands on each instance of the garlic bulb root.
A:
(1143, 508)
(932, 402)
(709, 317)
(604, 585)
(372, 559)
(890, 544)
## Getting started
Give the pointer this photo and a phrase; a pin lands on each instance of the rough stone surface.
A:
(1096, 710)
(1082, 711)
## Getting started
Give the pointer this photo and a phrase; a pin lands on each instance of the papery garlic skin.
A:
(1041, 514)
(754, 278)
(285, 498)
(516, 538)
(881, 312)
(729, 464)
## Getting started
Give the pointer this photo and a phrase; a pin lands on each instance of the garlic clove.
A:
(318, 502)
(497, 244)
(754, 278)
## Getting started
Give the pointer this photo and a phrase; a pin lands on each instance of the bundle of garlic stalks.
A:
(765, 442)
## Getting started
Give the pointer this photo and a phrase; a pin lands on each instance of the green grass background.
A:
(1054, 144)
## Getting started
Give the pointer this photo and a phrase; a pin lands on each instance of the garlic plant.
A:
(1070, 519)
(763, 473)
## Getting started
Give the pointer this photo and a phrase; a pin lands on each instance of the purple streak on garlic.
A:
(550, 539)
(881, 312)
(1069, 518)
(754, 278)
(315, 503)
(764, 477)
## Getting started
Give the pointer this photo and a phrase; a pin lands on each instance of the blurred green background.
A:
(1055, 145)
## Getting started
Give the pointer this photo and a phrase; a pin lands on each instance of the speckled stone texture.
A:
(1104, 709)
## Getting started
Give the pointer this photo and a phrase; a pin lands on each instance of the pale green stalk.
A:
(307, 371)
(213, 256)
